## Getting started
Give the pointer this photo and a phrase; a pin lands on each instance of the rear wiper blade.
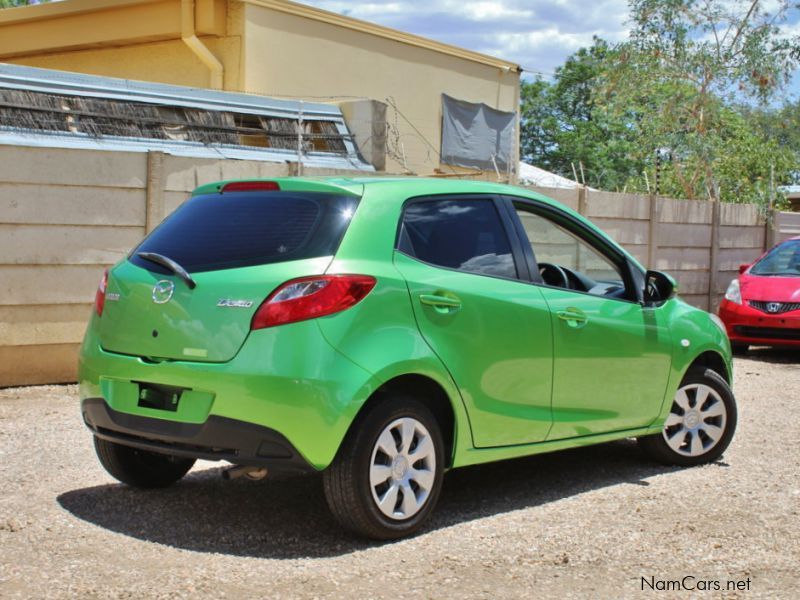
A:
(170, 264)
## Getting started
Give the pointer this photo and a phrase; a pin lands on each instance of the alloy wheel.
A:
(402, 468)
(696, 422)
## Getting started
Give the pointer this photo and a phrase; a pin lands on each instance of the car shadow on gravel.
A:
(286, 519)
(776, 356)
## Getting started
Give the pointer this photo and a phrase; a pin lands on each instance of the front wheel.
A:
(700, 424)
(387, 476)
(140, 468)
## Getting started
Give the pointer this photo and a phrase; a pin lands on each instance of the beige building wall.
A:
(298, 56)
(139, 40)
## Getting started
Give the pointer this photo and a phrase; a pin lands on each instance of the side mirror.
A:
(743, 268)
(658, 287)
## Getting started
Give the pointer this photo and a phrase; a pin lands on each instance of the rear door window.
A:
(232, 230)
(463, 234)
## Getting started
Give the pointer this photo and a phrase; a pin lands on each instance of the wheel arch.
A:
(423, 388)
(714, 361)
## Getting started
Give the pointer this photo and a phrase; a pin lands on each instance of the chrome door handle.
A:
(574, 317)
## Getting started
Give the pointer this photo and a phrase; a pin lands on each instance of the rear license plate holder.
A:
(159, 397)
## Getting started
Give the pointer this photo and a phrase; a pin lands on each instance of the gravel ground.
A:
(590, 522)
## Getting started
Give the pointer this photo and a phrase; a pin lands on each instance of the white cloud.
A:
(538, 35)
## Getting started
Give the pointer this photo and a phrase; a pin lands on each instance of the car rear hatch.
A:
(235, 248)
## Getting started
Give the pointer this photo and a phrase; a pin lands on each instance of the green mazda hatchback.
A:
(384, 331)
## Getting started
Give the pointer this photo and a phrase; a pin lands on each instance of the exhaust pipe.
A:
(252, 473)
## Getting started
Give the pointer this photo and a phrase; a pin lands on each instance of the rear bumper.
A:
(287, 380)
(747, 325)
(219, 438)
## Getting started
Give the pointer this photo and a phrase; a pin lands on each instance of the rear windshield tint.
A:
(232, 230)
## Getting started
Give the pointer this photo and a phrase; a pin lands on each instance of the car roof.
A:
(399, 189)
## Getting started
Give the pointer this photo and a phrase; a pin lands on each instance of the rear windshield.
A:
(243, 229)
(783, 260)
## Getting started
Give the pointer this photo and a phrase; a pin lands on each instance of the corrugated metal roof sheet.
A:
(16, 77)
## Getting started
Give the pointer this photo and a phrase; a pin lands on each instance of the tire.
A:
(140, 468)
(701, 422)
(395, 453)
(739, 349)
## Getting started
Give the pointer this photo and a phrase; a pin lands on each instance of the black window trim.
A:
(575, 227)
(520, 266)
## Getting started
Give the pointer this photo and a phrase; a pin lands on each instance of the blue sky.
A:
(537, 34)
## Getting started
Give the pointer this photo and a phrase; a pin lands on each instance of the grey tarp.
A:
(474, 134)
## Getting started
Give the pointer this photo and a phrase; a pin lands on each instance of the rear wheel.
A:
(140, 468)
(700, 424)
(387, 476)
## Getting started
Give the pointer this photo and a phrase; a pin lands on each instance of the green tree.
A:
(562, 127)
(687, 64)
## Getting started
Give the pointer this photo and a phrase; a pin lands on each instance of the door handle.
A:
(441, 303)
(574, 317)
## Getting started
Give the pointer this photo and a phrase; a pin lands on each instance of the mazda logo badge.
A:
(162, 292)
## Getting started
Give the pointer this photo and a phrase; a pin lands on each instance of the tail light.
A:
(310, 298)
(100, 296)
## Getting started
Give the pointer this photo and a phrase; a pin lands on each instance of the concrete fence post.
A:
(772, 228)
(154, 209)
(713, 270)
(583, 194)
(652, 232)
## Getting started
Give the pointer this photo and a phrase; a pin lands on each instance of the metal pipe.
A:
(189, 37)
(252, 473)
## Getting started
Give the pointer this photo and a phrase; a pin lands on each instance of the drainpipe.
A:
(189, 37)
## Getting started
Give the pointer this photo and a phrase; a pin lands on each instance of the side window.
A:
(463, 234)
(568, 261)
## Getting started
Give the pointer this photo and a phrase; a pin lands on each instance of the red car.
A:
(762, 305)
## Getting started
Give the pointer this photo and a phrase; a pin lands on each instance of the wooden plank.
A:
(60, 166)
(724, 280)
(742, 237)
(624, 231)
(692, 282)
(564, 196)
(65, 244)
(48, 284)
(172, 200)
(617, 206)
(70, 205)
(698, 300)
(42, 325)
(185, 174)
(684, 211)
(32, 365)
(640, 253)
(787, 224)
(731, 258)
(680, 259)
(686, 235)
(740, 214)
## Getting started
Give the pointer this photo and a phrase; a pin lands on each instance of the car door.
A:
(491, 330)
(612, 355)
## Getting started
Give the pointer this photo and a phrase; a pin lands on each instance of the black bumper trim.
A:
(219, 438)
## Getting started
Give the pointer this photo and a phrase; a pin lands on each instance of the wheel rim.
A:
(403, 469)
(696, 421)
